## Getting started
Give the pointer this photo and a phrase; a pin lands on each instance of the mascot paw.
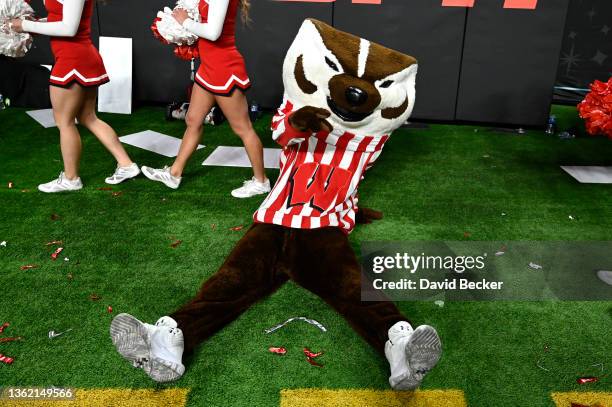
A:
(310, 118)
(367, 215)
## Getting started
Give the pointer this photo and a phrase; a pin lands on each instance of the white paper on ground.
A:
(156, 142)
(237, 157)
(590, 175)
(116, 96)
(44, 117)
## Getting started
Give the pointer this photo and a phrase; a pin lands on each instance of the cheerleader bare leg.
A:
(236, 110)
(87, 117)
(200, 104)
(66, 103)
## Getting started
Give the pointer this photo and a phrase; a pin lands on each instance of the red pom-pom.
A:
(156, 33)
(596, 109)
(187, 52)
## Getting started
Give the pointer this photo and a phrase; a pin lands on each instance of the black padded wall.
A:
(265, 41)
(484, 64)
(429, 32)
(158, 75)
(510, 61)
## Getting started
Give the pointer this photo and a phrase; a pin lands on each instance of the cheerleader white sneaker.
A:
(411, 354)
(122, 174)
(251, 188)
(162, 175)
(61, 184)
(156, 349)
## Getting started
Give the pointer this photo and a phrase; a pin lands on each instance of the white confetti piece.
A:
(535, 266)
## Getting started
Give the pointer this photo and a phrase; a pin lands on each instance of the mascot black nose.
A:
(356, 96)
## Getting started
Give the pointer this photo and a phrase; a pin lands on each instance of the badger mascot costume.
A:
(343, 97)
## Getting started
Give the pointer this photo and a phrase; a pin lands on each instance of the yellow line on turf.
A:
(112, 397)
(371, 398)
(591, 399)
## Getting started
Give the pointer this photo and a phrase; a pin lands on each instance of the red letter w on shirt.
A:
(319, 185)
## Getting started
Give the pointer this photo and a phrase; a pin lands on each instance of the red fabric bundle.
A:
(596, 109)
(187, 52)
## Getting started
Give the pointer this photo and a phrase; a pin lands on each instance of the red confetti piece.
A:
(54, 242)
(29, 267)
(55, 216)
(4, 326)
(237, 228)
(176, 244)
(109, 309)
(11, 339)
(278, 351)
(584, 380)
(313, 362)
(5, 359)
(105, 189)
(10, 185)
(56, 253)
(310, 354)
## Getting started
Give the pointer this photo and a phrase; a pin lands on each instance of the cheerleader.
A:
(75, 77)
(221, 79)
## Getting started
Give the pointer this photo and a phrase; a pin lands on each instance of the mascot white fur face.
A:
(368, 89)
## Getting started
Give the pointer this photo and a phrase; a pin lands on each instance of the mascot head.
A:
(367, 88)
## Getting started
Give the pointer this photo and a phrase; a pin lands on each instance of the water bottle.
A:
(254, 111)
(551, 128)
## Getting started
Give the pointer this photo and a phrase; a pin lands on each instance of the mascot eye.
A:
(331, 64)
(386, 84)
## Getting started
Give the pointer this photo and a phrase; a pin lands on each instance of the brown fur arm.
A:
(311, 119)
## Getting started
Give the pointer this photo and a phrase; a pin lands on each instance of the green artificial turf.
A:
(432, 184)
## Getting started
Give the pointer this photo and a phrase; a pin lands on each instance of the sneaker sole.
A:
(123, 180)
(423, 351)
(249, 196)
(58, 192)
(163, 371)
(158, 180)
(131, 340)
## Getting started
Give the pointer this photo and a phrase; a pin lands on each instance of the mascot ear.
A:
(300, 77)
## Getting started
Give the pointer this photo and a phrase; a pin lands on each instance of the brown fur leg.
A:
(248, 275)
(323, 262)
(367, 215)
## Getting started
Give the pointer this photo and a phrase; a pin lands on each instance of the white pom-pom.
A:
(12, 43)
(171, 30)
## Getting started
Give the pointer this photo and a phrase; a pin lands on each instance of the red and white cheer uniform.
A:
(69, 26)
(320, 173)
(222, 69)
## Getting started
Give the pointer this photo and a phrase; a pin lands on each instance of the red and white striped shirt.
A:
(320, 173)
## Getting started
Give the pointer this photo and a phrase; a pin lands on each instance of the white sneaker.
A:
(61, 184)
(251, 188)
(162, 175)
(123, 173)
(156, 349)
(411, 354)
(605, 276)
